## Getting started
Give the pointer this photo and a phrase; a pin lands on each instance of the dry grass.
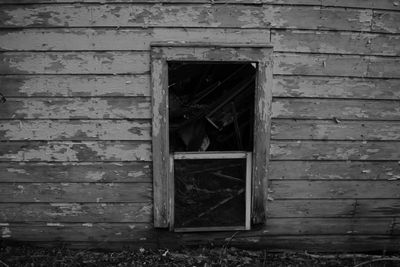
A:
(200, 257)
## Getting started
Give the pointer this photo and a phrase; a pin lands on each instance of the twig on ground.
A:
(376, 260)
(265, 258)
(223, 249)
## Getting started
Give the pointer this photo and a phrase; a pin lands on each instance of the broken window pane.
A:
(210, 192)
(211, 106)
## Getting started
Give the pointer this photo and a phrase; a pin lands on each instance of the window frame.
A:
(214, 155)
(163, 182)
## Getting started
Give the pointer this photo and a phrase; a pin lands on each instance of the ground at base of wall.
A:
(201, 257)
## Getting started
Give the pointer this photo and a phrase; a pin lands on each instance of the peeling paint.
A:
(19, 171)
(74, 63)
(95, 175)
(66, 209)
(74, 151)
(54, 224)
(5, 232)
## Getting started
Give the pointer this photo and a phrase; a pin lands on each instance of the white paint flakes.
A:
(19, 171)
(54, 224)
(5, 232)
(95, 175)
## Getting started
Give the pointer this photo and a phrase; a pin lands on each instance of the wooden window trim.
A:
(161, 53)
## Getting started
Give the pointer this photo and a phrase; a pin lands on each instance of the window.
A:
(211, 108)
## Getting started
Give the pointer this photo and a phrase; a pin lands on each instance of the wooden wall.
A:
(75, 160)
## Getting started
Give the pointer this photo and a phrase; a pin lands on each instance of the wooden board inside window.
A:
(211, 109)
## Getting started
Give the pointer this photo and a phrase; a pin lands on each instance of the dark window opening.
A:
(210, 192)
(211, 106)
(211, 114)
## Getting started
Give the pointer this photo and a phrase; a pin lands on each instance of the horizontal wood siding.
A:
(335, 170)
(135, 62)
(74, 172)
(76, 108)
(382, 4)
(75, 192)
(75, 131)
(119, 39)
(74, 151)
(335, 109)
(125, 129)
(56, 212)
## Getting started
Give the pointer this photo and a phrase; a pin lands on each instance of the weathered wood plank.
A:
(262, 138)
(310, 243)
(76, 212)
(120, 39)
(386, 21)
(142, 231)
(300, 189)
(381, 4)
(124, 172)
(334, 130)
(140, 151)
(160, 145)
(335, 150)
(75, 85)
(76, 192)
(74, 130)
(383, 67)
(139, 85)
(355, 208)
(335, 42)
(75, 151)
(131, 1)
(137, 62)
(76, 108)
(332, 226)
(69, 232)
(325, 87)
(242, 16)
(336, 65)
(73, 62)
(340, 109)
(339, 170)
(211, 52)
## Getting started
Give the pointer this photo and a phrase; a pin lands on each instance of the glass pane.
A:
(210, 192)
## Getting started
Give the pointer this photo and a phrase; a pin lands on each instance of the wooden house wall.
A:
(75, 142)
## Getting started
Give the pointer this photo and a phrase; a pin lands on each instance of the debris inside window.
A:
(211, 108)
(210, 192)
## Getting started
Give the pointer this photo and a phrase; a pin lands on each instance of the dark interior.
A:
(211, 106)
(210, 109)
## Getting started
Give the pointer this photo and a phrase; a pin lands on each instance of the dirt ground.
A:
(199, 257)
